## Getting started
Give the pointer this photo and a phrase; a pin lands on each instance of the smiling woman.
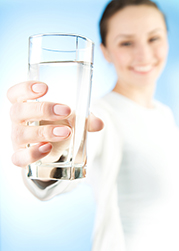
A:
(133, 162)
(136, 44)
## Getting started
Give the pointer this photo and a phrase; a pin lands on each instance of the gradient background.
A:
(64, 223)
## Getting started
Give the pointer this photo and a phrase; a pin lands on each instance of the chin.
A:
(144, 82)
(146, 78)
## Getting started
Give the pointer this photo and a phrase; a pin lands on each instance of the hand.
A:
(45, 135)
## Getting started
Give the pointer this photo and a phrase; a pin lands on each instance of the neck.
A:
(143, 96)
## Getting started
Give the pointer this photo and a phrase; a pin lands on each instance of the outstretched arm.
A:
(22, 112)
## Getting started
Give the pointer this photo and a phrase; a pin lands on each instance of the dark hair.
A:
(114, 6)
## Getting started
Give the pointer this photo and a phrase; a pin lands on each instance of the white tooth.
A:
(143, 68)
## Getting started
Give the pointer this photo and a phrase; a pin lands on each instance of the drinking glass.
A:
(65, 63)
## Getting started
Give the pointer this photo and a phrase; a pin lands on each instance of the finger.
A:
(33, 111)
(95, 124)
(23, 135)
(26, 91)
(26, 156)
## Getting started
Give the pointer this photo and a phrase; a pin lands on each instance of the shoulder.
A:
(166, 113)
(163, 109)
(104, 105)
(105, 109)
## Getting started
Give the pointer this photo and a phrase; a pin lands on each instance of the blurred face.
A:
(136, 44)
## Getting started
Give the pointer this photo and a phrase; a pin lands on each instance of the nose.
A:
(142, 53)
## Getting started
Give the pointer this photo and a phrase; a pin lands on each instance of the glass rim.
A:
(61, 34)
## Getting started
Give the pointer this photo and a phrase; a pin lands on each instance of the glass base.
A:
(55, 172)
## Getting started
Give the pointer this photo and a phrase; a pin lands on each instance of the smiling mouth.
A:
(142, 69)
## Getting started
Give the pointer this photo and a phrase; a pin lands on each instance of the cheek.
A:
(121, 59)
(162, 52)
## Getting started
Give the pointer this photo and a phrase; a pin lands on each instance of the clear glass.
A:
(65, 63)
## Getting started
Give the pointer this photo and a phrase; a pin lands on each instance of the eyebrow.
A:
(133, 35)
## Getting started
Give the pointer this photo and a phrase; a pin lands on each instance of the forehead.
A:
(136, 19)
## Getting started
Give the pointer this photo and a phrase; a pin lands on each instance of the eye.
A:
(126, 44)
(153, 39)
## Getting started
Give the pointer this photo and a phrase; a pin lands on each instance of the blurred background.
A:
(64, 223)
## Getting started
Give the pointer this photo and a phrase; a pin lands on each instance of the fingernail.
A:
(45, 148)
(39, 88)
(62, 131)
(61, 110)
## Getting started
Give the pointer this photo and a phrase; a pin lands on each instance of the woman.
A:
(133, 163)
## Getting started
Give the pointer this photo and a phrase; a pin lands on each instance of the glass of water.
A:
(65, 63)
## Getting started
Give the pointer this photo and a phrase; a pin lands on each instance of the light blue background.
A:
(66, 222)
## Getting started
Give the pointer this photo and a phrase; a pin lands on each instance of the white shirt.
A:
(133, 170)
(147, 181)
